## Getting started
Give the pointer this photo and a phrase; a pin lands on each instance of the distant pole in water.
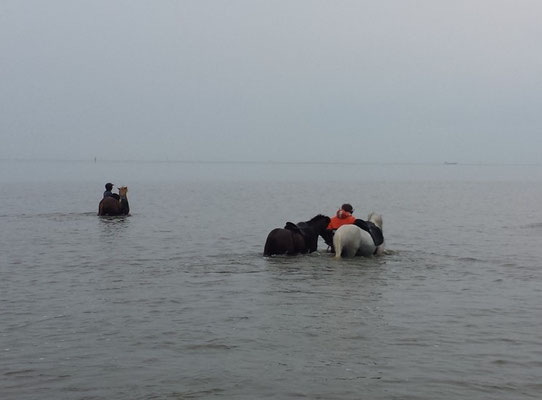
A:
(94, 160)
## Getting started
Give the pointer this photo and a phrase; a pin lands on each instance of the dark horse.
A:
(116, 205)
(296, 238)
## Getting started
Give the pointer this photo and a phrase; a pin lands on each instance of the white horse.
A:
(351, 240)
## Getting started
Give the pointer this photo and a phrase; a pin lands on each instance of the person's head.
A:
(108, 186)
(347, 207)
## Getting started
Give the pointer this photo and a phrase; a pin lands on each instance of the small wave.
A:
(390, 252)
(20, 372)
(56, 216)
(529, 364)
(210, 346)
(196, 394)
(465, 259)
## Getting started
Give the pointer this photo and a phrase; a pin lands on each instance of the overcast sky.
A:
(305, 80)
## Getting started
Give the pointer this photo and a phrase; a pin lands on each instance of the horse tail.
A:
(338, 246)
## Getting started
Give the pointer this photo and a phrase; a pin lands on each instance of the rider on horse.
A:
(343, 216)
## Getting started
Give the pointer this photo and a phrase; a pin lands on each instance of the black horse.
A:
(296, 238)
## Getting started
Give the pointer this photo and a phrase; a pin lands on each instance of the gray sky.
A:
(306, 80)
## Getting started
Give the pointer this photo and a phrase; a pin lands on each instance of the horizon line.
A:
(267, 162)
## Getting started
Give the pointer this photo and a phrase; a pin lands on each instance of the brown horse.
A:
(296, 238)
(114, 205)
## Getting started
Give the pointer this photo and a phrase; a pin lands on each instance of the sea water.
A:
(176, 300)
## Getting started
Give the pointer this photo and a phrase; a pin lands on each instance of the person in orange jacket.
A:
(344, 216)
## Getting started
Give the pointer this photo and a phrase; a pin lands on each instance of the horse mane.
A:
(319, 217)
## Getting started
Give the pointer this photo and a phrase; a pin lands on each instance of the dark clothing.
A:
(108, 193)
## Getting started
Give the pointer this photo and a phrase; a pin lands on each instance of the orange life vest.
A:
(342, 218)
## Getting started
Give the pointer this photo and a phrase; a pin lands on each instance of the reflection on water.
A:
(112, 225)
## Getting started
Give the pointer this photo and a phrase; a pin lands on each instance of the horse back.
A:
(274, 242)
(346, 240)
(109, 206)
(284, 241)
(372, 229)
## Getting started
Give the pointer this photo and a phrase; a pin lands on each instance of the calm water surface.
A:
(177, 302)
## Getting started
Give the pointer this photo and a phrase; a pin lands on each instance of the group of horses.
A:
(362, 238)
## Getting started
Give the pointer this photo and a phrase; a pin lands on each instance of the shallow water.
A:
(177, 302)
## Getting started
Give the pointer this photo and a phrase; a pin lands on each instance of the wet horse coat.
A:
(297, 238)
(351, 240)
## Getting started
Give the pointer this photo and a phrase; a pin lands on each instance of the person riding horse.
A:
(362, 238)
(343, 216)
(108, 193)
(113, 204)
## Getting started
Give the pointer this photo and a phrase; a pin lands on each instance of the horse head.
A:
(319, 223)
(123, 190)
(375, 219)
